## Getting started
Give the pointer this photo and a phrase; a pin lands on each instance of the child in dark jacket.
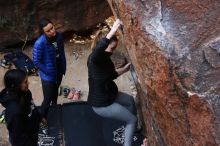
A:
(22, 117)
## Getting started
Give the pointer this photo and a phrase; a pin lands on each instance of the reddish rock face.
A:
(175, 49)
(18, 18)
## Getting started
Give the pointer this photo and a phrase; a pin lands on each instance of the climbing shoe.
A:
(60, 89)
(5, 64)
(2, 117)
(76, 96)
(66, 91)
(43, 129)
(71, 93)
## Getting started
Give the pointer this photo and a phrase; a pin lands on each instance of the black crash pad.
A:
(76, 124)
(55, 130)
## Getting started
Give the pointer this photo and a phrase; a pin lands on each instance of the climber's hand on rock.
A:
(114, 28)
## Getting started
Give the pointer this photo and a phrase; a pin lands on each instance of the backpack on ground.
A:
(21, 61)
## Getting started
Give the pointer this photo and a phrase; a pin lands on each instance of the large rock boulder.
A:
(175, 49)
(19, 19)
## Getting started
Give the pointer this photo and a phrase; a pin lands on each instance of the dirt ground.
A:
(76, 76)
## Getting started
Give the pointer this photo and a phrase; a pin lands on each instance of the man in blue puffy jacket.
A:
(49, 57)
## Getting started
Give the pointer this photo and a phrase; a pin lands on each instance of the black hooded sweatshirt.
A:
(101, 71)
(21, 116)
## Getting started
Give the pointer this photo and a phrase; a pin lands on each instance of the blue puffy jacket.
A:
(44, 57)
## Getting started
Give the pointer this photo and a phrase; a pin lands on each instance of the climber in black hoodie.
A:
(22, 117)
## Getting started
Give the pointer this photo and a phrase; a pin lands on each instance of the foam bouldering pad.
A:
(54, 134)
(82, 127)
(113, 133)
(76, 124)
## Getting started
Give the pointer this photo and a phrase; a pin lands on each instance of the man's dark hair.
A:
(43, 22)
